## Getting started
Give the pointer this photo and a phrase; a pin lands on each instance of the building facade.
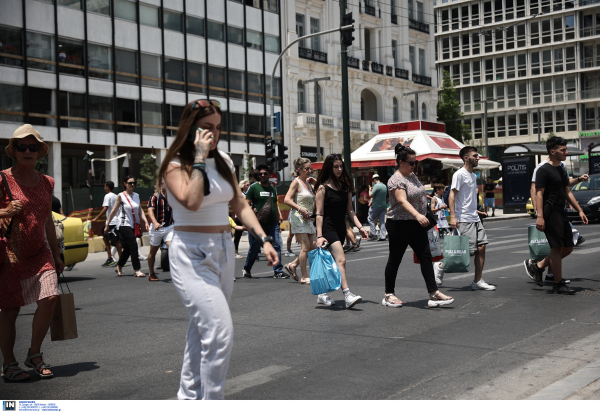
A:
(392, 54)
(113, 76)
(539, 60)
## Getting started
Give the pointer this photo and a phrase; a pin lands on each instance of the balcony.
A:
(388, 70)
(314, 55)
(394, 19)
(368, 10)
(424, 80)
(418, 26)
(376, 67)
(401, 73)
(365, 65)
(329, 123)
(353, 62)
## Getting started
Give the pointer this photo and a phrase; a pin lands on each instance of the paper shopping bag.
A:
(64, 325)
(434, 246)
(456, 254)
(538, 244)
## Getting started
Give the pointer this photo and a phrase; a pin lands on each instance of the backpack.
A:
(446, 196)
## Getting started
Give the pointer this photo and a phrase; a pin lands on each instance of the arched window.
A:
(301, 101)
(424, 111)
(395, 110)
(413, 114)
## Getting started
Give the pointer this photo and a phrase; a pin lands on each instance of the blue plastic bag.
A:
(324, 274)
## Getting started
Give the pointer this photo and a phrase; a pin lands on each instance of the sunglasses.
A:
(336, 156)
(308, 169)
(206, 103)
(264, 174)
(23, 148)
(412, 164)
(131, 183)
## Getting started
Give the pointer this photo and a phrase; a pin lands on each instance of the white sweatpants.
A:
(202, 269)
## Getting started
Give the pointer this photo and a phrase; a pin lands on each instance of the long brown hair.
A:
(326, 173)
(185, 149)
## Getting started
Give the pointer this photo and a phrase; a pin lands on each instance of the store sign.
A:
(414, 125)
(516, 180)
(310, 153)
(595, 133)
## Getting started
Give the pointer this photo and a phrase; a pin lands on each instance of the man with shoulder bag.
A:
(262, 196)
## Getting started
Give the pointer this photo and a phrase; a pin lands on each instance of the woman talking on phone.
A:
(333, 201)
(201, 185)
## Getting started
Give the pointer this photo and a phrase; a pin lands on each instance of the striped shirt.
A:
(162, 211)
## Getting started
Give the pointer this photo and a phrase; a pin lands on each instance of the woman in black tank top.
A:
(333, 201)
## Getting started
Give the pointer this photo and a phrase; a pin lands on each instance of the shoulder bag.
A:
(264, 214)
(137, 230)
(4, 239)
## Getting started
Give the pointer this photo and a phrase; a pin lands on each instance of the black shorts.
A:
(113, 234)
(558, 230)
(334, 233)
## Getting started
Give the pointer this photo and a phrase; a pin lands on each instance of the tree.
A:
(146, 164)
(448, 111)
(246, 170)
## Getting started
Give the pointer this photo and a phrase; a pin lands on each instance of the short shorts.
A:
(489, 202)
(476, 233)
(334, 233)
(113, 234)
(163, 233)
(558, 230)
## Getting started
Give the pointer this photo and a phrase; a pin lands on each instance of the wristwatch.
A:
(267, 239)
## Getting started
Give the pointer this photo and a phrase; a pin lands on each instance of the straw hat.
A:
(24, 131)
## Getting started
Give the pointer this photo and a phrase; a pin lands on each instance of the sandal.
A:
(39, 368)
(140, 275)
(305, 281)
(16, 371)
(391, 300)
(153, 278)
(437, 300)
(119, 273)
(292, 273)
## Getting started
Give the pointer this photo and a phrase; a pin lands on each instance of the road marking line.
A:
(565, 387)
(586, 251)
(248, 380)
(466, 275)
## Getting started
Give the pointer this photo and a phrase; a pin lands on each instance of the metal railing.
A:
(353, 62)
(417, 25)
(401, 73)
(315, 55)
(365, 65)
(417, 78)
(376, 67)
(389, 70)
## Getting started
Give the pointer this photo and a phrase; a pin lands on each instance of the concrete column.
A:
(55, 167)
(112, 168)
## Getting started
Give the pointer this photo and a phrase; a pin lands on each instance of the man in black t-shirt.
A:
(489, 201)
(552, 191)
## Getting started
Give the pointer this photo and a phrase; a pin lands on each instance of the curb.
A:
(498, 219)
(566, 387)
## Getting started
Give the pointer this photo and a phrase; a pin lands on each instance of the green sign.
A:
(586, 157)
(595, 133)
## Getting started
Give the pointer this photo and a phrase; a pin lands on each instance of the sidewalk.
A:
(501, 216)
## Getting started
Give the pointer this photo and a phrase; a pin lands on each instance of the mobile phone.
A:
(192, 134)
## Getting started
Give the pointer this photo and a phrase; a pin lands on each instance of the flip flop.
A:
(305, 281)
(141, 275)
(291, 273)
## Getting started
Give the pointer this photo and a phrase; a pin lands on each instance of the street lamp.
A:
(487, 149)
(317, 110)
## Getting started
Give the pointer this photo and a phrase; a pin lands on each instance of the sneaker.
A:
(352, 299)
(481, 285)
(385, 302)
(289, 254)
(562, 288)
(113, 263)
(246, 273)
(323, 299)
(142, 257)
(238, 256)
(347, 248)
(438, 273)
(372, 238)
(108, 262)
(534, 272)
(382, 239)
(358, 240)
(550, 279)
(580, 240)
(281, 275)
(434, 303)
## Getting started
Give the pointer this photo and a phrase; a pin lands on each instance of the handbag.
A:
(137, 230)
(4, 239)
(64, 322)
(325, 276)
(432, 220)
(264, 214)
(434, 246)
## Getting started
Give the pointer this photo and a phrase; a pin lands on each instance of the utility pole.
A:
(416, 100)
(485, 134)
(539, 131)
(345, 98)
(317, 110)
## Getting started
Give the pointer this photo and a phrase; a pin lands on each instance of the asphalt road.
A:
(505, 344)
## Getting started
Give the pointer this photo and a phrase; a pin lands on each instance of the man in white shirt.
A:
(464, 216)
(112, 235)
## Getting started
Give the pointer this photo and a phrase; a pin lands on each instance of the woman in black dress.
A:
(333, 201)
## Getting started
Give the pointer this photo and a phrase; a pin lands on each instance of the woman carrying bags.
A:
(333, 201)
(439, 208)
(406, 223)
(129, 218)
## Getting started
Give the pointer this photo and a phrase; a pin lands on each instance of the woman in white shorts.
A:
(161, 228)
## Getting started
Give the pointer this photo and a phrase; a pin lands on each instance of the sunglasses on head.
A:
(23, 148)
(335, 156)
(205, 103)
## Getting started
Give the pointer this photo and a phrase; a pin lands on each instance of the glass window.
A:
(498, 10)
(465, 44)
(488, 38)
(195, 26)
(466, 100)
(454, 13)
(475, 14)
(100, 61)
(272, 44)
(464, 11)
(477, 128)
(174, 74)
(547, 57)
(535, 63)
(101, 112)
(271, 5)
(491, 129)
(256, 128)
(40, 51)
(546, 38)
(217, 81)
(569, 27)
(489, 70)
(422, 66)
(70, 55)
(510, 38)
(560, 120)
(395, 52)
(152, 118)
(477, 99)
(475, 46)
(499, 68)
(510, 67)
(301, 98)
(255, 87)
(98, 6)
(411, 53)
(149, 16)
(558, 60)
(510, 7)
(522, 62)
(72, 110)
(523, 124)
(151, 70)
(300, 29)
(571, 89)
(127, 116)
(11, 103)
(315, 42)
(237, 86)
(522, 94)
(500, 96)
(535, 33)
(411, 9)
(253, 40)
(559, 89)
(466, 73)
(520, 8)
(476, 71)
(237, 126)
(456, 73)
(501, 126)
(196, 77)
(413, 114)
(534, 6)
(11, 46)
(571, 119)
(173, 21)
(535, 91)
(446, 48)
(511, 95)
(499, 41)
(74, 4)
(235, 35)
(489, 96)
(570, 57)
(173, 118)
(548, 122)
(276, 86)
(558, 29)
(548, 91)
(126, 66)
(521, 36)
(125, 9)
(216, 31)
(455, 46)
(487, 12)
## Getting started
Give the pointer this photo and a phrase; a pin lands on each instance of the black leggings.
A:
(237, 235)
(402, 234)
(130, 247)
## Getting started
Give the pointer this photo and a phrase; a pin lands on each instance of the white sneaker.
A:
(385, 302)
(142, 257)
(289, 254)
(481, 285)
(439, 273)
(323, 299)
(352, 299)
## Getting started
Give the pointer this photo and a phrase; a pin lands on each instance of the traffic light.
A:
(270, 153)
(347, 37)
(282, 156)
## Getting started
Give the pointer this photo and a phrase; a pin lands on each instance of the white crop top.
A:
(214, 210)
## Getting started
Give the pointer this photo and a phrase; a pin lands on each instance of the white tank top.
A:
(214, 210)
(125, 215)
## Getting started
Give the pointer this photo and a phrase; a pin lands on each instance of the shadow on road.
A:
(73, 279)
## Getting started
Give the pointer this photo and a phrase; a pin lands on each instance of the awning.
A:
(366, 164)
(538, 149)
(484, 164)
